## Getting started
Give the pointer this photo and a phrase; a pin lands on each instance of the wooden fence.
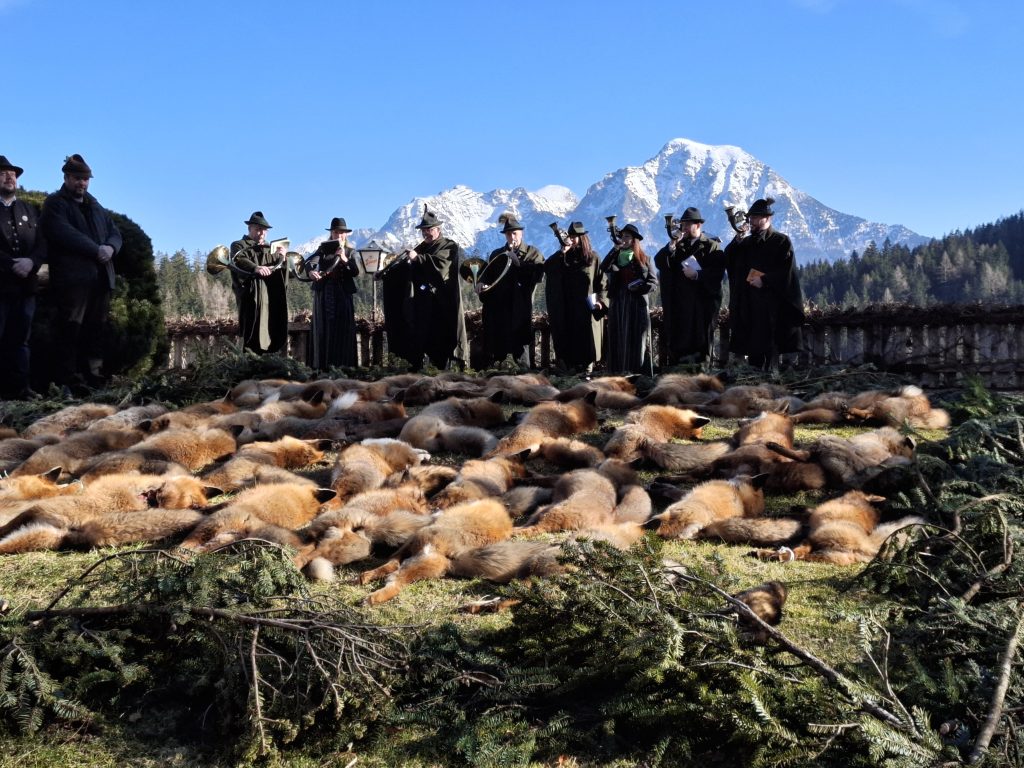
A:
(939, 345)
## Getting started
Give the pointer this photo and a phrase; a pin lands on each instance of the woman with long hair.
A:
(573, 287)
(630, 279)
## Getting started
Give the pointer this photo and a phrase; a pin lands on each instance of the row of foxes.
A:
(341, 472)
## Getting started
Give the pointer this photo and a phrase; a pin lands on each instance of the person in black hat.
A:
(258, 278)
(332, 268)
(630, 279)
(508, 303)
(433, 324)
(82, 241)
(573, 287)
(22, 252)
(690, 272)
(766, 307)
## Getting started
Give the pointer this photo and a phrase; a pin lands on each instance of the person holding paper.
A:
(258, 280)
(690, 272)
(628, 270)
(766, 307)
(574, 289)
(332, 271)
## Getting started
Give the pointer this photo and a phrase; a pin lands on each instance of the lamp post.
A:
(372, 258)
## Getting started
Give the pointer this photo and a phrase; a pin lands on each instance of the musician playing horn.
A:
(258, 281)
(332, 269)
(628, 272)
(436, 323)
(690, 272)
(508, 303)
(574, 288)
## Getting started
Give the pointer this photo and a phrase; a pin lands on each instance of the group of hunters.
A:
(597, 308)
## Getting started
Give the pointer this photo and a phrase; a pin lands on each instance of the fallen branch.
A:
(995, 710)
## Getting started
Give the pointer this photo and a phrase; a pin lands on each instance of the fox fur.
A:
(14, 450)
(526, 388)
(429, 552)
(74, 452)
(129, 418)
(67, 420)
(251, 392)
(367, 465)
(765, 601)
(613, 392)
(571, 454)
(847, 463)
(548, 421)
(287, 452)
(481, 479)
(428, 478)
(455, 425)
(507, 560)
(525, 500)
(101, 531)
(748, 400)
(909, 406)
(289, 506)
(757, 531)
(583, 498)
(656, 423)
(695, 459)
(193, 450)
(683, 390)
(634, 505)
(242, 472)
(710, 502)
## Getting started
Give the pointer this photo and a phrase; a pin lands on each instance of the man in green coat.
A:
(258, 280)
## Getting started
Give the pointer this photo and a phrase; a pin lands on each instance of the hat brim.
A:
(338, 229)
(17, 171)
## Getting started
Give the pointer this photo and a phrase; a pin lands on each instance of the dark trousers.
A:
(16, 314)
(82, 311)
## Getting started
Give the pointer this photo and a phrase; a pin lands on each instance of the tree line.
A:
(984, 264)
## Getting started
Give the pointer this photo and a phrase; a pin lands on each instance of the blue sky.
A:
(193, 114)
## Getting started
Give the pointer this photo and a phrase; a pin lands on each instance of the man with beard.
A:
(508, 303)
(22, 252)
(82, 241)
(258, 280)
(766, 307)
(690, 272)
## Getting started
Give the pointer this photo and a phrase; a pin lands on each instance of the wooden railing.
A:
(940, 345)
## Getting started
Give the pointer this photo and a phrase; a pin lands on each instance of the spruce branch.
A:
(995, 710)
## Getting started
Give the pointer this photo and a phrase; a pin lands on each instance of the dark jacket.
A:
(576, 331)
(31, 244)
(508, 304)
(74, 232)
(333, 338)
(438, 321)
(766, 320)
(262, 301)
(690, 306)
(629, 319)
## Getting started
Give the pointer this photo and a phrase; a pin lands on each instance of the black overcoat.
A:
(690, 306)
(576, 330)
(508, 304)
(629, 317)
(438, 324)
(74, 233)
(262, 301)
(19, 225)
(333, 336)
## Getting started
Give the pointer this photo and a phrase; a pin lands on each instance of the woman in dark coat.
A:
(332, 268)
(573, 287)
(628, 271)
(690, 272)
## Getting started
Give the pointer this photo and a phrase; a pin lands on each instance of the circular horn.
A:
(217, 260)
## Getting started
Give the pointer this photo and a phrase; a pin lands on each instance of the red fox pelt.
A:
(428, 554)
(526, 388)
(583, 498)
(548, 421)
(693, 459)
(455, 425)
(908, 406)
(756, 531)
(340, 537)
(428, 478)
(76, 451)
(481, 479)
(684, 390)
(286, 452)
(571, 454)
(508, 560)
(765, 601)
(289, 506)
(656, 423)
(240, 472)
(15, 491)
(193, 450)
(748, 400)
(251, 392)
(846, 463)
(367, 465)
(843, 531)
(613, 392)
(102, 531)
(709, 502)
(129, 418)
(68, 420)
(14, 450)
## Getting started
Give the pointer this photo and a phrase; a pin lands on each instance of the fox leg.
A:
(387, 569)
(783, 554)
(426, 565)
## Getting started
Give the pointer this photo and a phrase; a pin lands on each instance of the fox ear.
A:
(759, 481)
(236, 430)
(146, 425)
(700, 421)
(322, 444)
(212, 491)
(909, 442)
(522, 456)
(591, 397)
(398, 397)
(52, 474)
(324, 494)
(317, 397)
(497, 397)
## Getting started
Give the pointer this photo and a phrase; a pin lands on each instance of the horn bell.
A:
(218, 260)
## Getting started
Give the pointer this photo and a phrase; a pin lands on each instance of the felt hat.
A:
(76, 166)
(339, 224)
(6, 165)
(630, 229)
(576, 229)
(762, 207)
(429, 219)
(691, 215)
(257, 219)
(510, 221)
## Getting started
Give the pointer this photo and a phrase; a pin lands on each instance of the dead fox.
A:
(548, 421)
(634, 505)
(765, 601)
(613, 392)
(428, 478)
(239, 472)
(526, 388)
(251, 392)
(708, 502)
(129, 418)
(102, 531)
(692, 459)
(848, 463)
(843, 531)
(76, 451)
(455, 425)
(682, 390)
(656, 423)
(67, 420)
(507, 560)
(367, 465)
(287, 452)
(583, 498)
(428, 554)
(289, 506)
(481, 479)
(748, 400)
(16, 490)
(193, 450)
(14, 450)
(757, 531)
(910, 406)
(341, 537)
(571, 454)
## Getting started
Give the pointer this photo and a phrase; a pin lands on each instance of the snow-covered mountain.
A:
(682, 174)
